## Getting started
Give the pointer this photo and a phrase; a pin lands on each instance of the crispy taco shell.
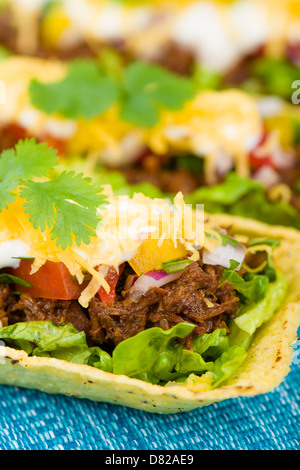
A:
(268, 361)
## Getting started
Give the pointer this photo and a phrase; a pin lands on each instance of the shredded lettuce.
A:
(47, 339)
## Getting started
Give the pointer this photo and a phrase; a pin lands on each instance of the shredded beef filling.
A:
(8, 31)
(14, 309)
(196, 297)
(161, 171)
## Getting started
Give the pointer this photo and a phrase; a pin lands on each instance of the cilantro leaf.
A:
(88, 90)
(84, 92)
(67, 205)
(147, 87)
(26, 161)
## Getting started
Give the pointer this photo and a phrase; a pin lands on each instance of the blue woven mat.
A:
(32, 420)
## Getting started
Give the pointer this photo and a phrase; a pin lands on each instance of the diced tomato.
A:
(58, 144)
(111, 278)
(10, 135)
(52, 281)
(256, 160)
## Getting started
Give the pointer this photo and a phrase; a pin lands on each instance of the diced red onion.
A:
(267, 176)
(151, 279)
(131, 279)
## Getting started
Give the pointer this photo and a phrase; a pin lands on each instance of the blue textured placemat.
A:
(32, 420)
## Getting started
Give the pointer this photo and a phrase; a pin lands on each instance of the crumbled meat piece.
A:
(176, 58)
(29, 308)
(8, 31)
(7, 300)
(170, 181)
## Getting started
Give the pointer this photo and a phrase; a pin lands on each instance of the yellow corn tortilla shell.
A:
(268, 361)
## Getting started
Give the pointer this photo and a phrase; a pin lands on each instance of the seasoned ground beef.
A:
(169, 181)
(8, 32)
(162, 171)
(176, 58)
(196, 297)
(10, 135)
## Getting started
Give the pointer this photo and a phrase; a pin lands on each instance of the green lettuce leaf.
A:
(246, 198)
(275, 76)
(253, 287)
(47, 339)
(227, 364)
(212, 345)
(249, 318)
(242, 328)
(227, 193)
(255, 205)
(152, 355)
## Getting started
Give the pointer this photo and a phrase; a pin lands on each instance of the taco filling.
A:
(224, 37)
(143, 129)
(172, 296)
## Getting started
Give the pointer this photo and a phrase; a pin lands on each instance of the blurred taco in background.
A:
(142, 128)
(137, 301)
(250, 43)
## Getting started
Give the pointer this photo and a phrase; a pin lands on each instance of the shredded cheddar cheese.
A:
(130, 230)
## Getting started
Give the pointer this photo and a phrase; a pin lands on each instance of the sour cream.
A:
(10, 251)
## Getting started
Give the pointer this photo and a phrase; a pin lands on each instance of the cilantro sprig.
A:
(140, 90)
(67, 204)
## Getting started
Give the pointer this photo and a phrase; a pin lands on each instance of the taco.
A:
(144, 129)
(235, 42)
(141, 302)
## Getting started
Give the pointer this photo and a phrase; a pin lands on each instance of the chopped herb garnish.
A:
(10, 279)
(271, 242)
(88, 90)
(67, 204)
(225, 239)
(176, 266)
(148, 88)
(84, 92)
